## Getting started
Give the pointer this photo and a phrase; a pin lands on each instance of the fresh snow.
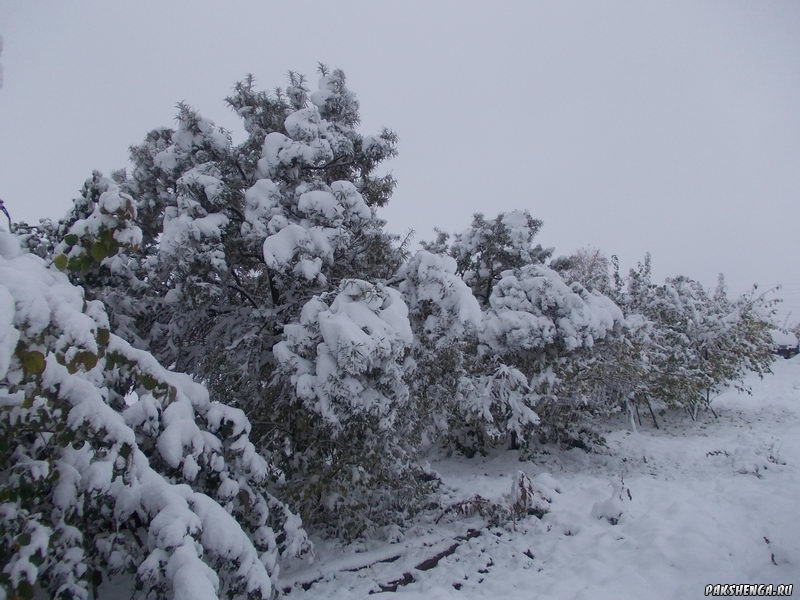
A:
(784, 338)
(533, 307)
(711, 501)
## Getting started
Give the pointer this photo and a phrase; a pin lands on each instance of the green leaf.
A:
(112, 247)
(89, 360)
(75, 263)
(60, 262)
(103, 336)
(148, 382)
(32, 362)
(98, 251)
(106, 236)
(85, 359)
(70, 239)
(86, 264)
(24, 590)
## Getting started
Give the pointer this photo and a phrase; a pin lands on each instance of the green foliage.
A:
(32, 362)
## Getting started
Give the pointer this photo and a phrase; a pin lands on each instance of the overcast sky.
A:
(669, 127)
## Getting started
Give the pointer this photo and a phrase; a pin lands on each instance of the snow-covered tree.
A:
(738, 338)
(234, 240)
(445, 319)
(542, 330)
(42, 238)
(588, 266)
(533, 339)
(201, 281)
(490, 247)
(110, 464)
(682, 343)
(345, 418)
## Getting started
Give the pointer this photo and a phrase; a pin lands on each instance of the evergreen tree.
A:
(234, 241)
(487, 248)
(445, 318)
(547, 331)
(352, 459)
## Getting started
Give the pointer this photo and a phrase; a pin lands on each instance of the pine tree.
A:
(445, 318)
(352, 459)
(235, 240)
(547, 331)
(487, 248)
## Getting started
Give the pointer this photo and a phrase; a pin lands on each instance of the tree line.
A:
(326, 358)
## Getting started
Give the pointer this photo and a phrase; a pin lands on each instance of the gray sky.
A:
(669, 127)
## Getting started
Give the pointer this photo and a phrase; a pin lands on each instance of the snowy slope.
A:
(712, 501)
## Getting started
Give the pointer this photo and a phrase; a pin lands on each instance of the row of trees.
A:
(336, 358)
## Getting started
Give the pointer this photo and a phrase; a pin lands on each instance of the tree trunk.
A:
(652, 414)
(631, 415)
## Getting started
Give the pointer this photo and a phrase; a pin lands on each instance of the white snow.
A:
(281, 248)
(8, 333)
(351, 199)
(333, 351)
(432, 278)
(280, 151)
(319, 202)
(304, 124)
(784, 338)
(184, 140)
(533, 307)
(261, 200)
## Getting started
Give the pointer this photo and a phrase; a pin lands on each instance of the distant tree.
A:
(487, 248)
(588, 266)
(686, 343)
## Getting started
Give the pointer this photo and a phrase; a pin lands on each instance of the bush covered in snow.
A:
(690, 343)
(445, 319)
(512, 376)
(111, 464)
(352, 432)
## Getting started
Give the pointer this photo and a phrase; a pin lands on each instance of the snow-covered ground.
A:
(711, 501)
